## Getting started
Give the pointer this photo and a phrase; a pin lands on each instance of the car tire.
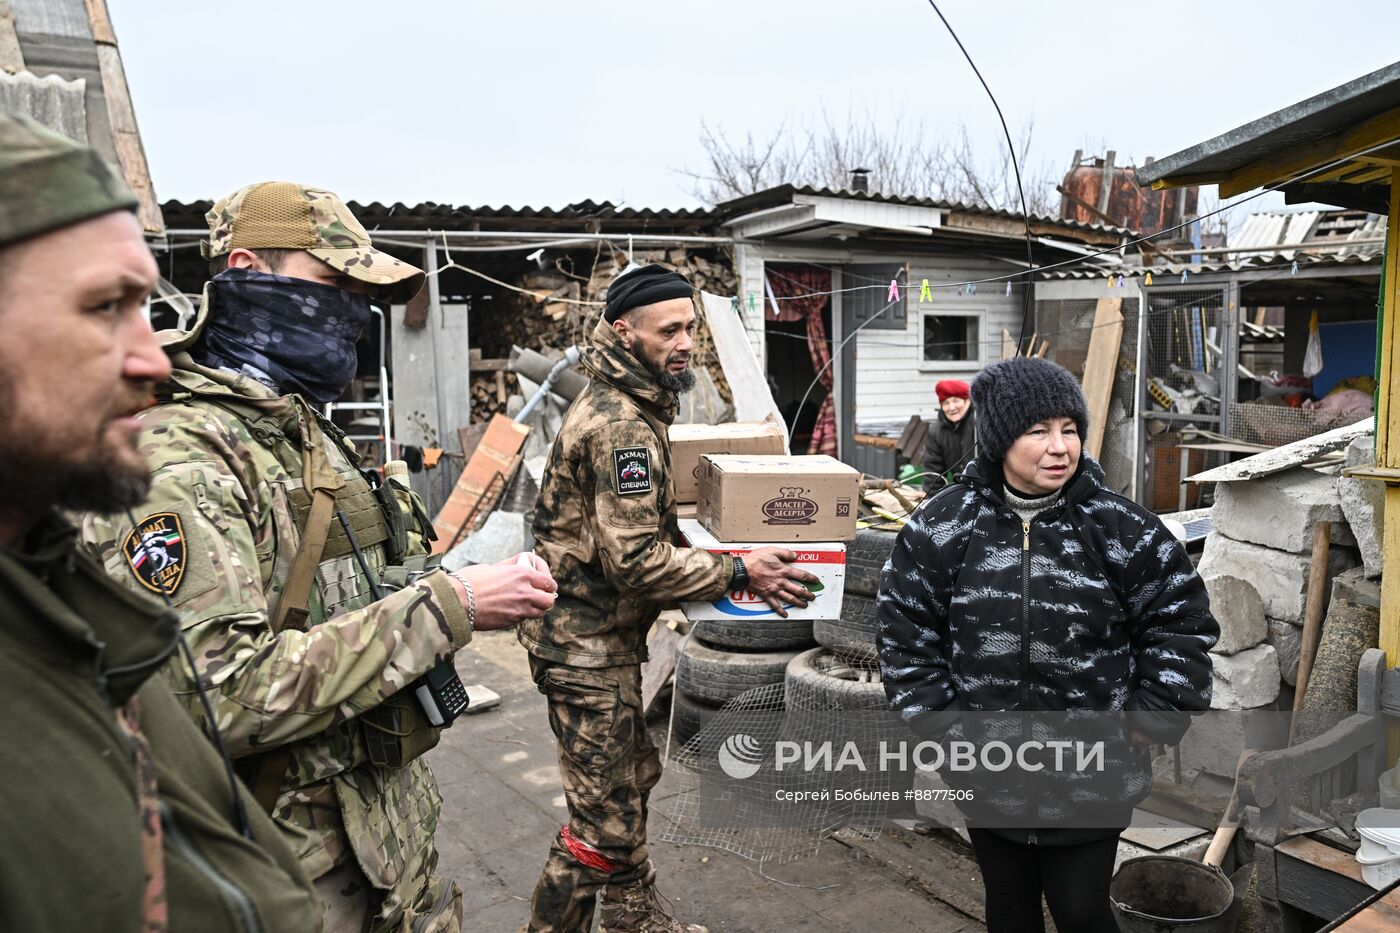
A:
(688, 717)
(755, 634)
(865, 559)
(855, 635)
(819, 680)
(714, 676)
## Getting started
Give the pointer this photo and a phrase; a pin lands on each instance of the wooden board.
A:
(1008, 346)
(498, 453)
(1286, 457)
(1383, 916)
(1100, 367)
(661, 663)
(1323, 881)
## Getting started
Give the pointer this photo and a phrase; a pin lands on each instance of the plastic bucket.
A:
(1379, 872)
(1164, 893)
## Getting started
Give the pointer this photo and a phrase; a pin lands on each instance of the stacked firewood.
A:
(560, 306)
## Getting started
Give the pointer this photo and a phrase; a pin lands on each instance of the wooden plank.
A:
(1286, 457)
(661, 663)
(496, 454)
(1382, 128)
(1100, 367)
(1320, 855)
(1383, 916)
(1183, 803)
(1008, 346)
(1388, 430)
(11, 56)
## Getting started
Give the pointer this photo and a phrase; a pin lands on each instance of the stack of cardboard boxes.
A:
(739, 491)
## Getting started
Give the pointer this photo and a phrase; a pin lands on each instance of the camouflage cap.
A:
(282, 215)
(47, 181)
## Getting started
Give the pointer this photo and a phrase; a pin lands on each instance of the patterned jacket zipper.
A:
(1025, 614)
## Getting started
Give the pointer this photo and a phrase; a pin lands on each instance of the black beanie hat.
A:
(644, 286)
(1010, 396)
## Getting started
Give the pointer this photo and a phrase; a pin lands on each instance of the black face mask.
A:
(300, 335)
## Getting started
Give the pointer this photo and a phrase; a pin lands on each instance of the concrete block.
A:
(1363, 505)
(1280, 577)
(1280, 510)
(1287, 640)
(1212, 746)
(1356, 586)
(502, 536)
(1236, 605)
(1247, 680)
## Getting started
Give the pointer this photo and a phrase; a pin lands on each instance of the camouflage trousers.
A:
(609, 766)
(349, 905)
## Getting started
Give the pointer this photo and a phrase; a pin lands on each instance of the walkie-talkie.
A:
(440, 692)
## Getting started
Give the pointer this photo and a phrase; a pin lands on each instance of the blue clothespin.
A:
(1295, 267)
(1183, 276)
(972, 288)
(1120, 281)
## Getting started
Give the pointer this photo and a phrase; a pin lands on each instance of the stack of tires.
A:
(852, 637)
(723, 658)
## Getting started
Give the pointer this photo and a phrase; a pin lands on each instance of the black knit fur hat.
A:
(1010, 396)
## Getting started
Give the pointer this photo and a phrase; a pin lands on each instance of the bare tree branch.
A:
(903, 158)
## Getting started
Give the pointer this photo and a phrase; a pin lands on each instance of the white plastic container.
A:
(1379, 873)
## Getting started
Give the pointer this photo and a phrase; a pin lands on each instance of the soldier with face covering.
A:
(311, 671)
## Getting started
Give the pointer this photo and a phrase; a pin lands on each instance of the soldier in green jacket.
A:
(606, 525)
(116, 813)
(308, 668)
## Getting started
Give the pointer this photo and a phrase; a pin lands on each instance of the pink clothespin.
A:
(893, 296)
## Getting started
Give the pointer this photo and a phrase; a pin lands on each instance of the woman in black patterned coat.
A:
(1030, 586)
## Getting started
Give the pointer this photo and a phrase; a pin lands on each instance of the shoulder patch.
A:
(632, 470)
(155, 552)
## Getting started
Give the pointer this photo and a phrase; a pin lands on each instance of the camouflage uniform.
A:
(606, 525)
(227, 508)
(117, 814)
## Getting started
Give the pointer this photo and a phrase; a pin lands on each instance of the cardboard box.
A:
(778, 499)
(690, 442)
(825, 559)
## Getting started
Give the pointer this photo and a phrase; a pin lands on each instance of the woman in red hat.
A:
(952, 439)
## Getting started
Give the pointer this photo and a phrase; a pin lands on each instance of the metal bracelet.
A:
(471, 598)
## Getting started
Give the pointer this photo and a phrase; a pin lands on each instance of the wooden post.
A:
(1388, 430)
(1315, 608)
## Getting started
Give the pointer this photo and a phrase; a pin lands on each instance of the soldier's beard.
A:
(675, 383)
(38, 471)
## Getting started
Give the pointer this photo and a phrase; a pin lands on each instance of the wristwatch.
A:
(740, 579)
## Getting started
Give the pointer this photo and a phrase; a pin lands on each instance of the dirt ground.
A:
(503, 803)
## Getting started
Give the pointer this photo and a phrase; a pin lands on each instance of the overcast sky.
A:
(547, 103)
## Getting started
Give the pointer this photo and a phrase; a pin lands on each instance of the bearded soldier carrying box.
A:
(606, 525)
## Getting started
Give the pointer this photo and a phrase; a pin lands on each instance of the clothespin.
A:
(1120, 281)
(1183, 276)
(1147, 280)
(972, 288)
(1295, 268)
(1008, 288)
(925, 293)
(734, 304)
(1112, 281)
(893, 296)
(753, 303)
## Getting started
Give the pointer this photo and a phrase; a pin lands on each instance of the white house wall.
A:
(891, 384)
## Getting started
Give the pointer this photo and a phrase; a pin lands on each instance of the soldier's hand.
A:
(773, 576)
(506, 593)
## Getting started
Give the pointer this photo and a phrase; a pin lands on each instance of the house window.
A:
(951, 340)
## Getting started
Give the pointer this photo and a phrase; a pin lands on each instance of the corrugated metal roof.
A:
(53, 101)
(784, 193)
(1167, 270)
(1332, 111)
(430, 215)
(1304, 229)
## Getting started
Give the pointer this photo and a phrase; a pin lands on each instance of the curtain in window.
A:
(804, 292)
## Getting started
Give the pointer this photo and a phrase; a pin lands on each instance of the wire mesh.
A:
(1276, 424)
(746, 827)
